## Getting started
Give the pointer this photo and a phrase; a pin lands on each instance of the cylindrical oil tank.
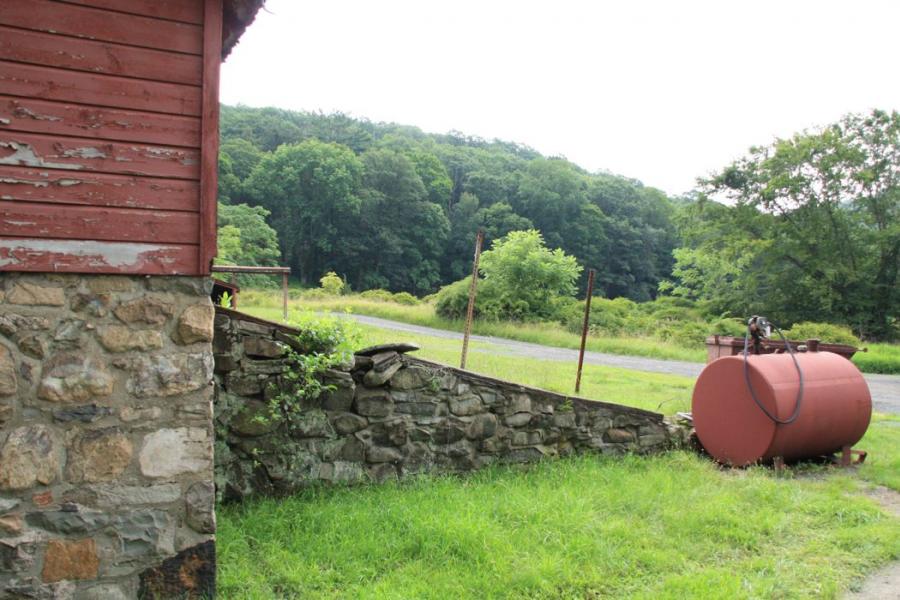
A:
(835, 411)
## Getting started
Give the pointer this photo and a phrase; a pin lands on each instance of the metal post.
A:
(584, 328)
(284, 293)
(470, 311)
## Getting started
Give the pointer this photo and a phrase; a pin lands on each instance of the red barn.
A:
(109, 133)
(108, 150)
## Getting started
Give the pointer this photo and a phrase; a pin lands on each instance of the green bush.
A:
(377, 295)
(825, 332)
(385, 296)
(331, 283)
(725, 326)
(324, 334)
(490, 304)
(405, 298)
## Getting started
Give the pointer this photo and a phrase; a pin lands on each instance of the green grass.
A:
(670, 526)
(880, 358)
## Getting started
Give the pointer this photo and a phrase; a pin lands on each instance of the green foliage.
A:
(879, 358)
(405, 219)
(331, 283)
(809, 230)
(405, 231)
(825, 332)
(529, 276)
(404, 298)
(732, 327)
(245, 239)
(225, 300)
(323, 343)
(311, 189)
(452, 301)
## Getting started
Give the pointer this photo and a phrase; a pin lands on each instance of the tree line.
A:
(804, 229)
(388, 206)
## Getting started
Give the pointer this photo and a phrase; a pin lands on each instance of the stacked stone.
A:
(105, 436)
(390, 415)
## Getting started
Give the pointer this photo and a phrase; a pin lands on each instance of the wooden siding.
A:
(109, 135)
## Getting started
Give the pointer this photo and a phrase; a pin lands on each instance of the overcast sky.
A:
(661, 91)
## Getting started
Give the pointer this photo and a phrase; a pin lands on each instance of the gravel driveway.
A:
(885, 388)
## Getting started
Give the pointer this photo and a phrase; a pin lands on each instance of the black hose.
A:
(799, 403)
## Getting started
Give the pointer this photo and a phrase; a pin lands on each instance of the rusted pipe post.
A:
(234, 297)
(284, 294)
(470, 310)
(584, 328)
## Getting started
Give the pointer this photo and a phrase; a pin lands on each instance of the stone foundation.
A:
(391, 415)
(106, 437)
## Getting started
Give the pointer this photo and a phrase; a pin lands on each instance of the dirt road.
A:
(885, 388)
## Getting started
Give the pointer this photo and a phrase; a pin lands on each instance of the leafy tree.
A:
(403, 230)
(813, 228)
(363, 230)
(244, 156)
(229, 183)
(245, 238)
(528, 273)
(311, 190)
(499, 219)
(331, 283)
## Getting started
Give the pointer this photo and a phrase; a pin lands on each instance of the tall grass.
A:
(423, 314)
(880, 358)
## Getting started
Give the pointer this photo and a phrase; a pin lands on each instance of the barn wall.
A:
(106, 439)
(108, 135)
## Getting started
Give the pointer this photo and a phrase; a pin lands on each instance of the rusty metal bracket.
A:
(847, 454)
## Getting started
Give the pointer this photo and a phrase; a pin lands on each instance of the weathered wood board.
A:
(109, 135)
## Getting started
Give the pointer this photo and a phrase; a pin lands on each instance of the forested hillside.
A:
(388, 206)
(804, 229)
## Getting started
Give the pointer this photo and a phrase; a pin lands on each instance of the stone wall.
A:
(391, 415)
(105, 437)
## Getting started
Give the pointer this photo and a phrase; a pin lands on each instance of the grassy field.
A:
(537, 333)
(670, 526)
(880, 358)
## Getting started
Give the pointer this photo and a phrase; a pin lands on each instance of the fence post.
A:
(284, 294)
(584, 328)
(470, 310)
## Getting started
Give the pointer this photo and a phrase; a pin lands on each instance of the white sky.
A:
(662, 91)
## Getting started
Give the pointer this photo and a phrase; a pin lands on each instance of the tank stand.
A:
(778, 465)
(847, 454)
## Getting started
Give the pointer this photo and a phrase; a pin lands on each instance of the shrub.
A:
(324, 335)
(331, 283)
(528, 274)
(827, 333)
(405, 298)
(453, 300)
(725, 326)
(323, 343)
(377, 295)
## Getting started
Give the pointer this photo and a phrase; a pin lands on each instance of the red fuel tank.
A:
(835, 411)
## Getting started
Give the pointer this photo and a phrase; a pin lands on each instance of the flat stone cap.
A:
(399, 348)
